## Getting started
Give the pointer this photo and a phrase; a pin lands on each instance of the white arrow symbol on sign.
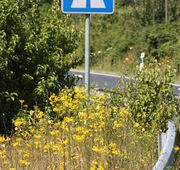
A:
(93, 4)
(78, 4)
(97, 4)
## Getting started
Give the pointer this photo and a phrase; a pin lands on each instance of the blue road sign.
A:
(88, 6)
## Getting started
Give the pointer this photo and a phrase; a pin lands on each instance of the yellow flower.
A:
(115, 151)
(102, 141)
(74, 156)
(52, 133)
(47, 147)
(21, 101)
(142, 161)
(176, 149)
(31, 129)
(18, 139)
(19, 121)
(38, 136)
(2, 139)
(40, 114)
(117, 124)
(136, 125)
(25, 134)
(57, 132)
(3, 156)
(114, 109)
(28, 145)
(104, 149)
(26, 154)
(96, 166)
(100, 167)
(24, 162)
(78, 137)
(31, 112)
(5, 163)
(41, 129)
(112, 145)
(144, 114)
(7, 139)
(154, 114)
(14, 144)
(79, 128)
(1, 153)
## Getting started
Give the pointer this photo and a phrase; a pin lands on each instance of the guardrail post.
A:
(166, 148)
(162, 137)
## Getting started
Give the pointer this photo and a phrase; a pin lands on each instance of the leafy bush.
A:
(150, 97)
(36, 52)
(161, 40)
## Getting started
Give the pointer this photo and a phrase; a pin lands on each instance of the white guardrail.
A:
(166, 143)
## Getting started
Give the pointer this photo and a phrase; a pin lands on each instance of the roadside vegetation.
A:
(109, 130)
(36, 52)
(48, 123)
(136, 26)
(93, 134)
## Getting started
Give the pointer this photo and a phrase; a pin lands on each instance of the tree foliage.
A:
(152, 11)
(136, 26)
(36, 52)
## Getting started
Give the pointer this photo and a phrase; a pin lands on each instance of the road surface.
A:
(100, 80)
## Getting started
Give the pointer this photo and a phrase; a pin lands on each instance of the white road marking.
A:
(78, 75)
(79, 4)
(97, 4)
(176, 85)
(101, 74)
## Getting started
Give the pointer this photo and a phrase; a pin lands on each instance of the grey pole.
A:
(87, 52)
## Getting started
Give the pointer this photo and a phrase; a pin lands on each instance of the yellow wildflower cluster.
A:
(91, 134)
(68, 101)
(24, 162)
(19, 122)
(96, 166)
(4, 139)
(27, 125)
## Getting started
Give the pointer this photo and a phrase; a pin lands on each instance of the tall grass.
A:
(85, 133)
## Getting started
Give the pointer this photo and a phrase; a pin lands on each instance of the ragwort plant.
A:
(87, 133)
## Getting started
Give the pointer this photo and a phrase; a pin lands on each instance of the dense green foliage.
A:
(150, 97)
(135, 27)
(152, 11)
(37, 45)
(36, 52)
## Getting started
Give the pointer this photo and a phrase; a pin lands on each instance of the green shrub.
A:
(150, 97)
(36, 52)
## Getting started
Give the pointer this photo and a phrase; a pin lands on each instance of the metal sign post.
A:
(87, 52)
(87, 7)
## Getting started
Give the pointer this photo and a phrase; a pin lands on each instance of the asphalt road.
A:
(100, 80)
